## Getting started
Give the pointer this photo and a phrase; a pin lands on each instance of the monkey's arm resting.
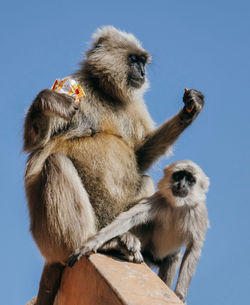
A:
(141, 213)
(105, 280)
(163, 138)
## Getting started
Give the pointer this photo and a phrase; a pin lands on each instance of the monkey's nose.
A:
(181, 185)
(142, 69)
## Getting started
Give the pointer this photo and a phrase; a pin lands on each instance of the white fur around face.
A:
(198, 191)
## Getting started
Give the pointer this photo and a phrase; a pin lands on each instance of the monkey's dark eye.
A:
(143, 59)
(133, 58)
(177, 176)
(190, 178)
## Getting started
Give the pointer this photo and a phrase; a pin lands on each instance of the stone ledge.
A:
(105, 280)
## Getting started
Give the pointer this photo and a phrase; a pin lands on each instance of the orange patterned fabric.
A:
(69, 86)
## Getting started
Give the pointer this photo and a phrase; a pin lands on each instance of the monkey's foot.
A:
(135, 257)
(131, 247)
(124, 246)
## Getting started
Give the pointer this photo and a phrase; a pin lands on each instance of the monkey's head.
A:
(116, 63)
(184, 182)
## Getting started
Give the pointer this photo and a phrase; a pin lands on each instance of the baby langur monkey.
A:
(162, 224)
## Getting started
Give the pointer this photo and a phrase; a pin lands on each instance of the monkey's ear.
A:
(205, 182)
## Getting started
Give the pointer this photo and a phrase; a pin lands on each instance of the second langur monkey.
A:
(162, 224)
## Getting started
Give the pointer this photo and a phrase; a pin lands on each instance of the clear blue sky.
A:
(195, 44)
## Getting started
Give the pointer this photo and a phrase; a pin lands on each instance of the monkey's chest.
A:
(167, 240)
(108, 170)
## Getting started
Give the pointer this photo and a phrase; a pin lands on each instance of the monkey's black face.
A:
(136, 75)
(182, 182)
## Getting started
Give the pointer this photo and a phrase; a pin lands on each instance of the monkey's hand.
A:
(89, 247)
(52, 103)
(194, 102)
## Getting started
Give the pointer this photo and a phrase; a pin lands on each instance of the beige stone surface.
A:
(105, 280)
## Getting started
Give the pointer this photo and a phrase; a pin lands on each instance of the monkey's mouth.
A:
(135, 82)
(179, 192)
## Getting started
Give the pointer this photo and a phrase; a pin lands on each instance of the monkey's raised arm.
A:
(160, 140)
(141, 213)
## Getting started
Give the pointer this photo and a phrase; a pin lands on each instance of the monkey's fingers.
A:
(189, 109)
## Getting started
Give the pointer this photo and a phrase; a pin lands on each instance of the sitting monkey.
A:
(162, 224)
(88, 156)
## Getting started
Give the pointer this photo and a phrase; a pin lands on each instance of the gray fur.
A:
(164, 224)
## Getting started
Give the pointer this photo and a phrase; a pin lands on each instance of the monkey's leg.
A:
(141, 213)
(127, 243)
(168, 268)
(49, 283)
(187, 269)
(160, 140)
(62, 217)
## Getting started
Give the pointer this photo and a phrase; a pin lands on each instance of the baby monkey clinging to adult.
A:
(162, 224)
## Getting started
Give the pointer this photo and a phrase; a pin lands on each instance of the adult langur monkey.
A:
(173, 217)
(87, 161)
